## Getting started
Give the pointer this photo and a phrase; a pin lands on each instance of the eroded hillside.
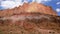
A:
(33, 7)
(29, 19)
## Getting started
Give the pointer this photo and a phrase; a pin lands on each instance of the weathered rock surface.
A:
(33, 7)
(29, 19)
(30, 23)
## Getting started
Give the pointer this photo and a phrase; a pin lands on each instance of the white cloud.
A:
(58, 3)
(58, 9)
(25, 1)
(16, 3)
(10, 4)
(46, 0)
(33, 0)
(40, 1)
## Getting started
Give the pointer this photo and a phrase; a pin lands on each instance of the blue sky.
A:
(5, 4)
(55, 4)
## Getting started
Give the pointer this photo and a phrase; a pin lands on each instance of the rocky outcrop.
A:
(33, 7)
(29, 19)
(35, 23)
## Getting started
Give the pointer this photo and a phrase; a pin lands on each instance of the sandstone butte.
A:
(30, 18)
